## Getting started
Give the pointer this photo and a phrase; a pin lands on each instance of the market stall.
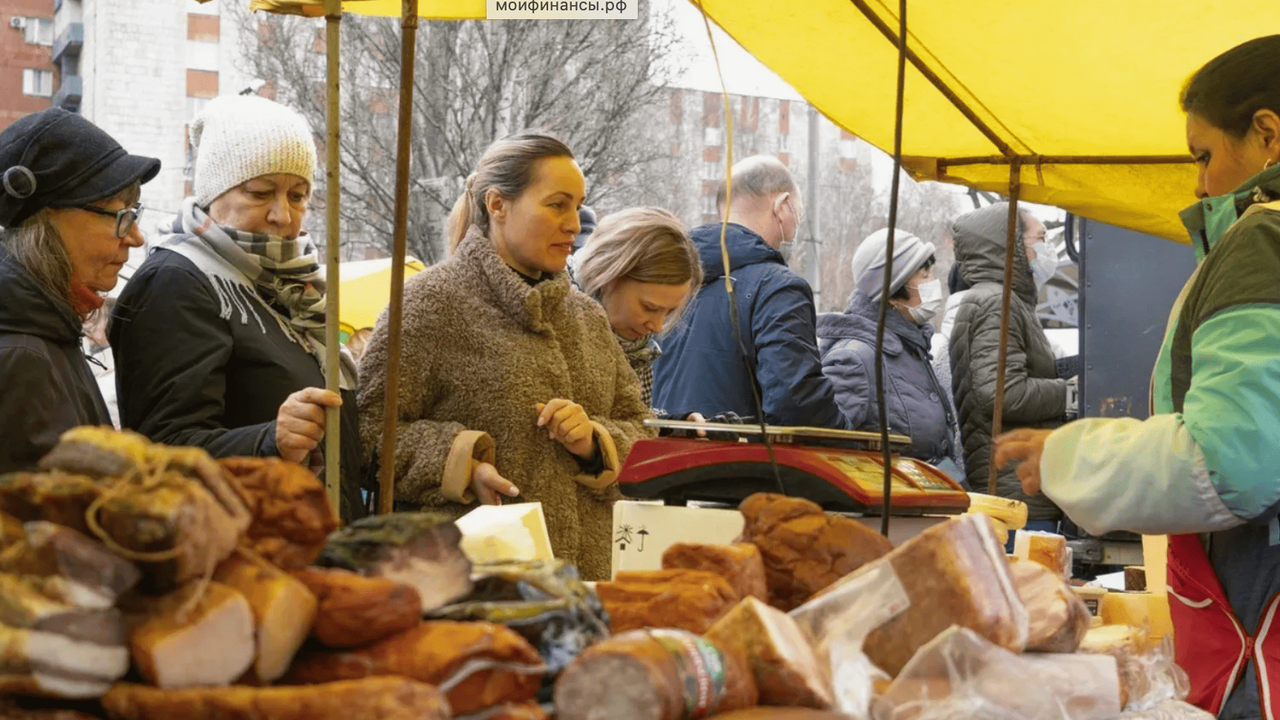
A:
(143, 582)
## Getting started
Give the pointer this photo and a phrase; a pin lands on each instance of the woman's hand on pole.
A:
(489, 486)
(300, 422)
(567, 423)
(698, 418)
(1025, 447)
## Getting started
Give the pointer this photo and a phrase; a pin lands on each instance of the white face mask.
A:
(930, 302)
(1045, 264)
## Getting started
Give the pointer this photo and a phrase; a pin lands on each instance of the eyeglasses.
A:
(124, 218)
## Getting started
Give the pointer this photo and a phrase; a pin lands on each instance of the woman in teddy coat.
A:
(512, 383)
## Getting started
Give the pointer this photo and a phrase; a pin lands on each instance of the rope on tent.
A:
(886, 455)
(724, 256)
(1011, 237)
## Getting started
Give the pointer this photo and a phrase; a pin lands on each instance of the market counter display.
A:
(140, 582)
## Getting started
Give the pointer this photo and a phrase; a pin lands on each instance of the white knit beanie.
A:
(909, 253)
(241, 137)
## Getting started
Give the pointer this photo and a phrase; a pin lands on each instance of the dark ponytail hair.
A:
(1232, 87)
(507, 166)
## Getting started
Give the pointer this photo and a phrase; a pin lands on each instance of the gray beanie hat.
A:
(909, 254)
(241, 137)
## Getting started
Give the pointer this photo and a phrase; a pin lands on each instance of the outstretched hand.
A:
(1025, 447)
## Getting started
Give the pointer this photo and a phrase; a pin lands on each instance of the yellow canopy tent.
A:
(1084, 93)
(366, 290)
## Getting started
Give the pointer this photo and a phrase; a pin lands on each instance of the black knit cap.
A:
(56, 158)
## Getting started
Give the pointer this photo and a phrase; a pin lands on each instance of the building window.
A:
(37, 83)
(38, 31)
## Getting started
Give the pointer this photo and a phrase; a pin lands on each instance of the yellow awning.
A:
(365, 291)
(430, 9)
(1066, 83)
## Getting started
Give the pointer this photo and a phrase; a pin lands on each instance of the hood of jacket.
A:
(859, 320)
(25, 307)
(979, 239)
(745, 248)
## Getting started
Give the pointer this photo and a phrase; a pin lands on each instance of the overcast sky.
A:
(744, 75)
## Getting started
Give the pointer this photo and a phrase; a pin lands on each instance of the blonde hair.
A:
(645, 244)
(507, 166)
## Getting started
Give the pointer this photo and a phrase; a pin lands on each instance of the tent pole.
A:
(395, 311)
(332, 234)
(1006, 298)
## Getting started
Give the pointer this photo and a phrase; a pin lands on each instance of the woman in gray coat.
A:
(916, 404)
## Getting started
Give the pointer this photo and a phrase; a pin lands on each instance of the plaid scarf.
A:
(641, 354)
(282, 275)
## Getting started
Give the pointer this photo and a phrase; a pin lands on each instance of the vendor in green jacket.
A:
(1205, 467)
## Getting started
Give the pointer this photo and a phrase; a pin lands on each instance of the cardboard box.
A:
(499, 533)
(642, 531)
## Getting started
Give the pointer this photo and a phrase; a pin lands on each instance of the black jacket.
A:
(187, 376)
(46, 385)
(701, 368)
(1034, 397)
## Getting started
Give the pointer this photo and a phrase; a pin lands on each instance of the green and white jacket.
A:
(1208, 458)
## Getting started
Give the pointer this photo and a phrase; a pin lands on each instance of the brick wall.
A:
(16, 55)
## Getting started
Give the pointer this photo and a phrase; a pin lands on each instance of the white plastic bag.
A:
(962, 675)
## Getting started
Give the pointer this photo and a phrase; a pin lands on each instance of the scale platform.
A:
(848, 477)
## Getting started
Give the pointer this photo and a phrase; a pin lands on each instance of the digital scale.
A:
(841, 470)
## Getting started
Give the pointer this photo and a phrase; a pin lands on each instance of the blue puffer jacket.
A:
(701, 368)
(915, 401)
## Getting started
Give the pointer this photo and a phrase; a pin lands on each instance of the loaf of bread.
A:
(292, 517)
(355, 610)
(804, 549)
(374, 698)
(783, 663)
(954, 573)
(740, 563)
(781, 713)
(480, 664)
(1057, 618)
(691, 600)
(654, 675)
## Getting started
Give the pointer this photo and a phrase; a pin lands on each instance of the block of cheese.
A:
(739, 563)
(194, 637)
(283, 609)
(786, 669)
(1145, 610)
(1048, 549)
(805, 550)
(1128, 645)
(691, 600)
(954, 573)
(1011, 513)
(1057, 617)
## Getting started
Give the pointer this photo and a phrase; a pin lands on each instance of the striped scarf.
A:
(283, 275)
(641, 354)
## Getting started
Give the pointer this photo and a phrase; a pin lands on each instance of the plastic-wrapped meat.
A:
(418, 549)
(544, 601)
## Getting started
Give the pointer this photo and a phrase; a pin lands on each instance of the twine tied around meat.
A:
(206, 488)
